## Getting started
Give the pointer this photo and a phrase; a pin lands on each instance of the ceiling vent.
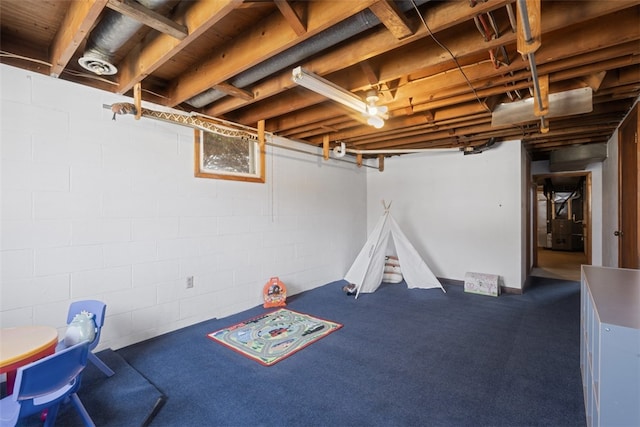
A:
(97, 63)
(576, 157)
(113, 31)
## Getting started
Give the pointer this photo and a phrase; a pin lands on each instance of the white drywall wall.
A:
(95, 208)
(462, 213)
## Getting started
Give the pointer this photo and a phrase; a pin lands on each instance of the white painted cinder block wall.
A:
(462, 213)
(95, 208)
(92, 208)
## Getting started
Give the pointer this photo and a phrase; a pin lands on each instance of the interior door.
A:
(628, 200)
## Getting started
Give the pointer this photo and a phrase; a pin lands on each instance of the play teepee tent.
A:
(368, 268)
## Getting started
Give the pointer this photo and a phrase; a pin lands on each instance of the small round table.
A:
(22, 345)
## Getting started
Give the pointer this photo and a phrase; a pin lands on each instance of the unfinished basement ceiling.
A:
(441, 68)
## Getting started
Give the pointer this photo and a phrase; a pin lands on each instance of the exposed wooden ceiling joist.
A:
(441, 79)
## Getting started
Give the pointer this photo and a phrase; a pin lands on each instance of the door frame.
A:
(587, 228)
(629, 184)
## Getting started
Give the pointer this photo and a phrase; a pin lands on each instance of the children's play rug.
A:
(271, 337)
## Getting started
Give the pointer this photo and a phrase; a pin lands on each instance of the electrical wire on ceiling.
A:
(460, 68)
(5, 54)
(424, 22)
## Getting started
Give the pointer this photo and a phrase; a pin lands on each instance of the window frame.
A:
(259, 160)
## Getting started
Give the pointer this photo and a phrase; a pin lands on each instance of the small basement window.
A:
(228, 154)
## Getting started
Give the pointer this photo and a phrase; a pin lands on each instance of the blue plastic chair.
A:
(45, 384)
(98, 308)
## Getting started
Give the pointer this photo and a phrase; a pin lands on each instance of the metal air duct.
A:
(576, 157)
(113, 31)
(344, 30)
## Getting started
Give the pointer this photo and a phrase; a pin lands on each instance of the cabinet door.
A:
(619, 376)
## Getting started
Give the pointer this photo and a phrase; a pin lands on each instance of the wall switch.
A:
(189, 282)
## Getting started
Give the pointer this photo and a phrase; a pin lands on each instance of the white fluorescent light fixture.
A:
(561, 104)
(334, 92)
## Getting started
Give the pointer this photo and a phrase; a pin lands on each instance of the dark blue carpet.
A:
(403, 358)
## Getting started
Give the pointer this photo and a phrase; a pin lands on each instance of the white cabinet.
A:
(610, 345)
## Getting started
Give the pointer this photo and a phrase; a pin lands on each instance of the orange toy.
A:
(275, 293)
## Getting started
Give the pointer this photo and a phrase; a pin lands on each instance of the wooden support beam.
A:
(388, 90)
(557, 15)
(533, 19)
(234, 91)
(408, 110)
(196, 150)
(393, 18)
(148, 17)
(77, 23)
(252, 47)
(137, 99)
(594, 80)
(381, 162)
(142, 61)
(262, 140)
(370, 74)
(291, 16)
(325, 146)
(544, 125)
(428, 114)
(359, 159)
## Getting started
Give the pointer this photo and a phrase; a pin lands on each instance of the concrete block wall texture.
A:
(96, 208)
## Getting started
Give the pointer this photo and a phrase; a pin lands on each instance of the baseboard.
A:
(512, 291)
(445, 281)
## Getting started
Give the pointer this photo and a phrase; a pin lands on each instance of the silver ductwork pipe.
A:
(113, 31)
(350, 27)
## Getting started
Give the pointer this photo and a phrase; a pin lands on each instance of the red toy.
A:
(275, 293)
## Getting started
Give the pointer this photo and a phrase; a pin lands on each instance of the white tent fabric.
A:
(368, 267)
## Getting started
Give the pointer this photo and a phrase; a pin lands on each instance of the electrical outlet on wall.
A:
(189, 282)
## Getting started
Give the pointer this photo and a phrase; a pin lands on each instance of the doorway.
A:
(562, 212)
